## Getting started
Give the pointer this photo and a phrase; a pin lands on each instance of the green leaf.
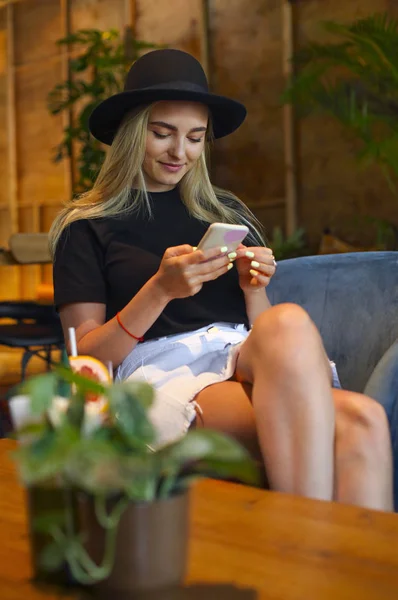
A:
(46, 457)
(202, 444)
(48, 521)
(83, 36)
(355, 81)
(64, 388)
(201, 451)
(141, 475)
(41, 390)
(141, 392)
(142, 488)
(109, 519)
(104, 60)
(288, 247)
(76, 409)
(204, 453)
(128, 404)
(241, 470)
(98, 466)
(93, 465)
(33, 429)
(79, 64)
(52, 557)
(83, 384)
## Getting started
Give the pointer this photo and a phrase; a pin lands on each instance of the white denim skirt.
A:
(179, 367)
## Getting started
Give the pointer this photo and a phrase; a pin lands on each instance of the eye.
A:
(161, 136)
(195, 140)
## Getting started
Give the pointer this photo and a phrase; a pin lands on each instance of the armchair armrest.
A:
(383, 387)
(383, 383)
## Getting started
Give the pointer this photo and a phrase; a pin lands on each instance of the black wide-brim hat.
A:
(165, 74)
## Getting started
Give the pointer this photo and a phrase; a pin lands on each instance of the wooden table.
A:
(287, 548)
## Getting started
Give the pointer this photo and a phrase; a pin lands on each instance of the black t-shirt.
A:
(108, 260)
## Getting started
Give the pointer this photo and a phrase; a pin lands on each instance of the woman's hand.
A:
(255, 266)
(184, 270)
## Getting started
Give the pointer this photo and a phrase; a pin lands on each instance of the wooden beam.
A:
(289, 121)
(130, 9)
(11, 123)
(47, 59)
(30, 204)
(66, 114)
(5, 3)
(206, 40)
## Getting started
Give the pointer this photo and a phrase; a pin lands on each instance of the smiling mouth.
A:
(171, 168)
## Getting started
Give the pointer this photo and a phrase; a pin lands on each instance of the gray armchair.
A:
(353, 300)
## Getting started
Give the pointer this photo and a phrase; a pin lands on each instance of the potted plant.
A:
(97, 69)
(354, 79)
(289, 246)
(106, 506)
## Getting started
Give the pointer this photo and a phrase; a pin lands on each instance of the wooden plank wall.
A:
(33, 186)
(30, 65)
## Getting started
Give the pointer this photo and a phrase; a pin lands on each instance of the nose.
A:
(177, 148)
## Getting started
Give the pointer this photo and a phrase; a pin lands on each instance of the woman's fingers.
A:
(190, 255)
(213, 266)
(196, 257)
(258, 279)
(176, 251)
(214, 274)
(267, 269)
(258, 254)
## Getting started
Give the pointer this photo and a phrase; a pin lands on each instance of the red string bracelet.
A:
(139, 339)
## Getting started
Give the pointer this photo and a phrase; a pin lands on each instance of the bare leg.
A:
(363, 462)
(227, 407)
(291, 418)
(363, 452)
(284, 359)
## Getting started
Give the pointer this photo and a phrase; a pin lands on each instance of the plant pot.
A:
(151, 544)
(41, 501)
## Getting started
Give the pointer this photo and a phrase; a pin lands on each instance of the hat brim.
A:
(227, 114)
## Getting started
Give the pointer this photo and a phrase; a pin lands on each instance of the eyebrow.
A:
(174, 128)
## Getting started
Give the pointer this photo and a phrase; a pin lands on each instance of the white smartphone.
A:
(219, 235)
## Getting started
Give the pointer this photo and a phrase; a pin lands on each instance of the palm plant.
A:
(99, 63)
(355, 80)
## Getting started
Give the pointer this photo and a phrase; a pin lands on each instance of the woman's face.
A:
(175, 141)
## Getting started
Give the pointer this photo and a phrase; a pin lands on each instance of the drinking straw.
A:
(110, 369)
(72, 341)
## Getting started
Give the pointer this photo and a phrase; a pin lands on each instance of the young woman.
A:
(198, 325)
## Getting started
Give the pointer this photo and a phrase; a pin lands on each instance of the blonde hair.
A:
(122, 170)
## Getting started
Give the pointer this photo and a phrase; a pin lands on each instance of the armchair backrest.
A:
(353, 300)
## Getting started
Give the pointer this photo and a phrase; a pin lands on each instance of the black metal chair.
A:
(35, 328)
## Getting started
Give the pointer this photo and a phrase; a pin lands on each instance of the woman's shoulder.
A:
(82, 232)
(98, 225)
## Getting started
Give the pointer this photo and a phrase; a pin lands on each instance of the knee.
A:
(361, 427)
(282, 318)
(284, 326)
